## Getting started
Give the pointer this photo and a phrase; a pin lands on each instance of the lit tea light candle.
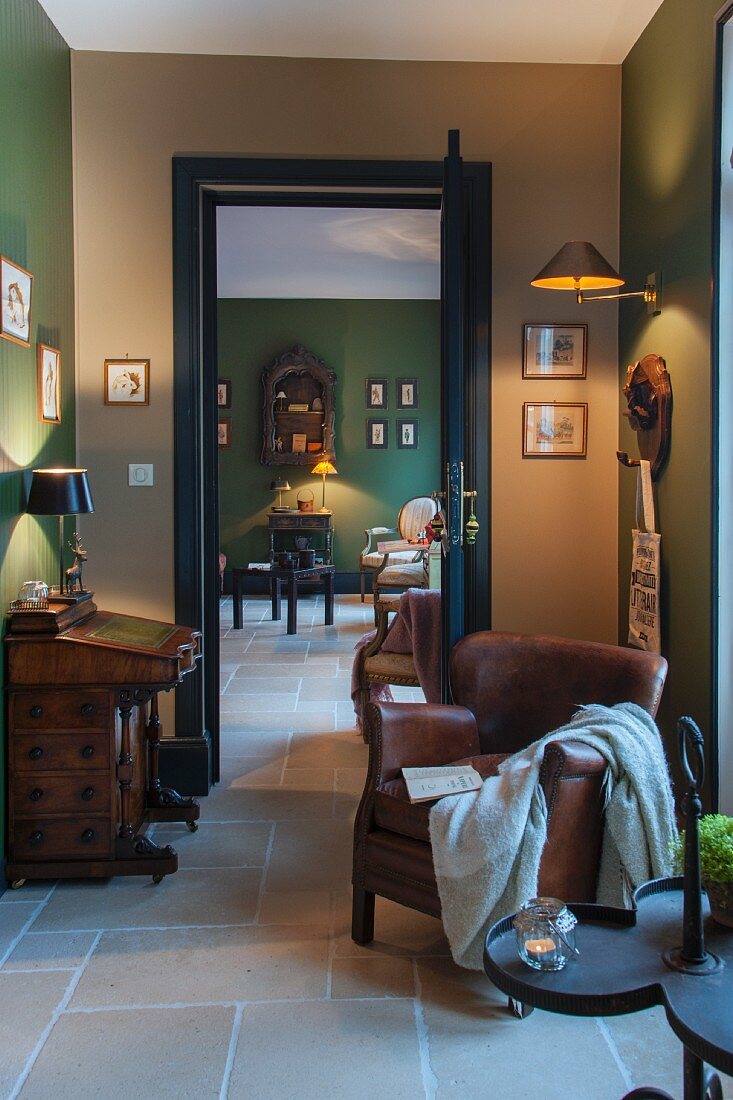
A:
(542, 946)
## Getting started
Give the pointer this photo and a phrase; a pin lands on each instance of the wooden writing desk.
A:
(83, 742)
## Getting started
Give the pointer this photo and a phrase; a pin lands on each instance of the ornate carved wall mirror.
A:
(298, 410)
(648, 393)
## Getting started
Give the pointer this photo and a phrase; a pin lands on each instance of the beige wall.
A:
(551, 133)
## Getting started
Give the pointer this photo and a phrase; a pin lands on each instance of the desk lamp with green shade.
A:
(60, 492)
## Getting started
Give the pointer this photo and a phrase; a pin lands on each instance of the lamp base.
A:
(325, 511)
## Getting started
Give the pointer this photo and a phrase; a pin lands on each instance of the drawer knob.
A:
(88, 708)
(88, 794)
(88, 752)
(36, 794)
(36, 712)
(36, 753)
(37, 837)
(88, 836)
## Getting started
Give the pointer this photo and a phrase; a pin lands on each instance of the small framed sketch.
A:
(126, 381)
(377, 434)
(407, 435)
(407, 393)
(376, 393)
(555, 429)
(225, 432)
(16, 288)
(224, 393)
(48, 381)
(299, 443)
(555, 351)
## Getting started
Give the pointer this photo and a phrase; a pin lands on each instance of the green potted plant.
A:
(716, 864)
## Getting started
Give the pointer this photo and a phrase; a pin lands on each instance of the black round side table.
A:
(621, 969)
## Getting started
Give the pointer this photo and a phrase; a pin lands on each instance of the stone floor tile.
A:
(377, 976)
(29, 1001)
(168, 1053)
(360, 1050)
(247, 684)
(303, 907)
(292, 863)
(248, 771)
(308, 779)
(13, 919)
(50, 950)
(235, 742)
(189, 897)
(267, 804)
(265, 703)
(243, 721)
(332, 688)
(317, 706)
(339, 749)
(235, 844)
(30, 891)
(351, 780)
(397, 930)
(194, 965)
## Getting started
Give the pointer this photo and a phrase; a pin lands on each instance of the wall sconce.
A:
(579, 267)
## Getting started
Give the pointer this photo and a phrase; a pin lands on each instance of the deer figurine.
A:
(73, 574)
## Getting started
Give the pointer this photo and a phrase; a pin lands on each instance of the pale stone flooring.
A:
(237, 976)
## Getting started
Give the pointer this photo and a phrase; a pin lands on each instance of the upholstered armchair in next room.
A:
(511, 689)
(404, 568)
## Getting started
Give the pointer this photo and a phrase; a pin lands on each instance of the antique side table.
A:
(290, 578)
(280, 524)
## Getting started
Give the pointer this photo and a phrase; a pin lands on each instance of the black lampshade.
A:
(578, 266)
(280, 484)
(59, 493)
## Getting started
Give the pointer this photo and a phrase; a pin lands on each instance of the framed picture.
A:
(225, 432)
(407, 434)
(376, 393)
(377, 434)
(48, 382)
(16, 288)
(299, 443)
(407, 393)
(555, 351)
(224, 393)
(555, 429)
(126, 381)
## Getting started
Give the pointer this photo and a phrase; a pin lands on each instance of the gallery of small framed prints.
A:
(555, 351)
(555, 429)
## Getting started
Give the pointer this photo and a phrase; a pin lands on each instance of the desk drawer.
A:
(46, 710)
(51, 838)
(51, 752)
(61, 794)
(303, 521)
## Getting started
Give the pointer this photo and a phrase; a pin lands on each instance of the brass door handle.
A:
(471, 528)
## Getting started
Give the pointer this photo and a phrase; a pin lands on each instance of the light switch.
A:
(140, 473)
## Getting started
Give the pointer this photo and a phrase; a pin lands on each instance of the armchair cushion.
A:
(410, 575)
(373, 561)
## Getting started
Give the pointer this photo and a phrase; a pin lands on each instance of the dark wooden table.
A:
(290, 578)
(286, 526)
(621, 970)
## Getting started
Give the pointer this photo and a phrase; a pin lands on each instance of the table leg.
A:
(292, 604)
(329, 585)
(237, 598)
(329, 546)
(275, 596)
(700, 1083)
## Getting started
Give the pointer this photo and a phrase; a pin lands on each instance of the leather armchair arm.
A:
(419, 735)
(568, 760)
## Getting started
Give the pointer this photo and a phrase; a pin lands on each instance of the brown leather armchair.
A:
(511, 689)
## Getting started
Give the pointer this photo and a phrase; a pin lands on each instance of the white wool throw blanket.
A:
(487, 844)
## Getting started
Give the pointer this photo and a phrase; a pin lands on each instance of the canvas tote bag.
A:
(644, 632)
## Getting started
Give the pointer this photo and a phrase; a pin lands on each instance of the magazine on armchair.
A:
(426, 784)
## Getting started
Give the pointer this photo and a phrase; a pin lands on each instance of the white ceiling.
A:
(311, 252)
(589, 31)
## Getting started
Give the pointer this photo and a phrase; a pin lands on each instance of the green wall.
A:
(36, 232)
(356, 339)
(666, 210)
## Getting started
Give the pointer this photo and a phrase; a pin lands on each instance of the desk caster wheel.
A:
(192, 826)
(519, 1008)
(157, 878)
(17, 883)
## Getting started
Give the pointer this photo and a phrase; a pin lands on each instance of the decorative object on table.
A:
(280, 485)
(74, 582)
(554, 429)
(298, 408)
(648, 393)
(48, 384)
(285, 560)
(306, 559)
(225, 431)
(324, 467)
(555, 351)
(377, 434)
(301, 542)
(545, 930)
(126, 381)
(376, 393)
(32, 596)
(16, 289)
(305, 500)
(407, 435)
(407, 393)
(224, 393)
(580, 267)
(60, 492)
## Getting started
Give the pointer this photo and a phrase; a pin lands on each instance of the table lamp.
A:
(280, 485)
(60, 492)
(323, 467)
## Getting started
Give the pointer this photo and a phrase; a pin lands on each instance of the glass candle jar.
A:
(545, 930)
